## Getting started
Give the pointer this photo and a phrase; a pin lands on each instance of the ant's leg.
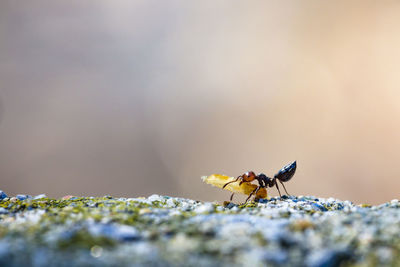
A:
(237, 179)
(254, 191)
(284, 188)
(230, 199)
(277, 187)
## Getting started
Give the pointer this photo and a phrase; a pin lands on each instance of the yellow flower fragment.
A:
(246, 188)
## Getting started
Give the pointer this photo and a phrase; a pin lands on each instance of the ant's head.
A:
(251, 175)
(287, 172)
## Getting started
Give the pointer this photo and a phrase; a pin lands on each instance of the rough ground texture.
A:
(167, 231)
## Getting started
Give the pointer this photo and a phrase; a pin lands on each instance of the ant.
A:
(283, 175)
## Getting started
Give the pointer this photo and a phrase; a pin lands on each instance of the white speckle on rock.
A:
(32, 216)
(236, 230)
(114, 231)
(234, 209)
(96, 251)
(347, 203)
(307, 207)
(155, 198)
(175, 212)
(182, 243)
(219, 208)
(330, 200)
(186, 206)
(384, 254)
(204, 208)
(39, 196)
(144, 248)
(171, 203)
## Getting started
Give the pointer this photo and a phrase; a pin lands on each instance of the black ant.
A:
(283, 175)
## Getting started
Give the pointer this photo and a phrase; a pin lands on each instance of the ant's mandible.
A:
(283, 175)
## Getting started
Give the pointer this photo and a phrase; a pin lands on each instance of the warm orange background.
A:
(140, 97)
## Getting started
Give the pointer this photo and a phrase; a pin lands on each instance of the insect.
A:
(283, 175)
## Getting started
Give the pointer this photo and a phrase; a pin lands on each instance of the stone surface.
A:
(168, 231)
(2, 195)
(21, 197)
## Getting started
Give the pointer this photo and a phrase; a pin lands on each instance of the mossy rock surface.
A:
(168, 231)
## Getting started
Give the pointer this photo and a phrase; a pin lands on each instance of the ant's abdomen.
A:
(287, 172)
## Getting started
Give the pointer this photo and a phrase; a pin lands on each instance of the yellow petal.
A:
(246, 188)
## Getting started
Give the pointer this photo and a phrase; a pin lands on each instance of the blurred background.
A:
(133, 98)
